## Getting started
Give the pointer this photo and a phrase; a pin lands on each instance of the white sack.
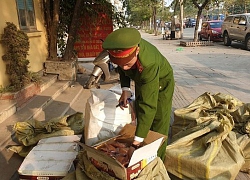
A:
(102, 119)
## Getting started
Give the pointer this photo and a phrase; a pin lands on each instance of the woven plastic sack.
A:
(206, 151)
(202, 109)
(242, 126)
(31, 131)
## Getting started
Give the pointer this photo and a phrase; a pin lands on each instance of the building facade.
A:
(28, 16)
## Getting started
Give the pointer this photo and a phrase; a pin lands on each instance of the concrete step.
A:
(7, 109)
(10, 107)
(60, 105)
(36, 105)
(54, 101)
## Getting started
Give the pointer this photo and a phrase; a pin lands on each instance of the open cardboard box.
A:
(140, 158)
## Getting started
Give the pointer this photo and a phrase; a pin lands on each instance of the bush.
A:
(17, 47)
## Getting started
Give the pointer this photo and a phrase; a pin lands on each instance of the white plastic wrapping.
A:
(102, 119)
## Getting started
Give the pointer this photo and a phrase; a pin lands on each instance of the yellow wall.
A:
(38, 43)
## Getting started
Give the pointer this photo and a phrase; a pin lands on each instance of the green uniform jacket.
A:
(154, 87)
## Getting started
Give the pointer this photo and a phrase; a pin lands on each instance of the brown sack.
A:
(210, 151)
(203, 109)
(204, 145)
(242, 126)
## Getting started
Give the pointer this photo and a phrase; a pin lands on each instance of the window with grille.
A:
(26, 15)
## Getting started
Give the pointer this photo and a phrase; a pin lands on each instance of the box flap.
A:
(148, 152)
(128, 131)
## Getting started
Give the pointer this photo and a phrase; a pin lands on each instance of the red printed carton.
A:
(140, 158)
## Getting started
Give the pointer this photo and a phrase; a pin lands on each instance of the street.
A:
(214, 69)
(202, 69)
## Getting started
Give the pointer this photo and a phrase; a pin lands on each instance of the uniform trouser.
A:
(161, 123)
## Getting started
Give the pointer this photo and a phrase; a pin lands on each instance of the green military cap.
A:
(122, 38)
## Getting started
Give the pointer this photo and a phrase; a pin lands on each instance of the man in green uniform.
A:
(140, 61)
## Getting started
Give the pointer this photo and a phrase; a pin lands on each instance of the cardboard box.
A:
(140, 158)
(51, 159)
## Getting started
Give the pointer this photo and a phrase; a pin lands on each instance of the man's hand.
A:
(123, 101)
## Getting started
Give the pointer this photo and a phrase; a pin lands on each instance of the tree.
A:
(175, 4)
(155, 4)
(74, 25)
(200, 5)
(144, 10)
(138, 12)
(61, 19)
(236, 6)
(64, 17)
(189, 10)
(51, 12)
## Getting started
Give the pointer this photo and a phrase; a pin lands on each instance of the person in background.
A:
(140, 61)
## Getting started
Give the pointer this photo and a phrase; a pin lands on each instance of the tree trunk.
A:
(75, 24)
(154, 19)
(52, 20)
(172, 19)
(200, 8)
(197, 25)
(181, 18)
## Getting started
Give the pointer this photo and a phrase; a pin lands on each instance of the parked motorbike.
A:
(104, 70)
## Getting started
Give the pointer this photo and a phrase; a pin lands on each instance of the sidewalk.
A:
(214, 69)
